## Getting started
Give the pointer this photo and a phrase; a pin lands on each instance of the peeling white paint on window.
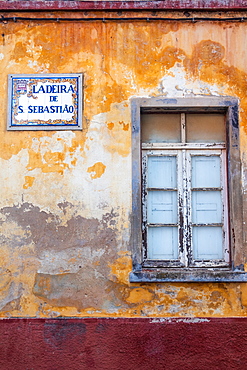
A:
(184, 190)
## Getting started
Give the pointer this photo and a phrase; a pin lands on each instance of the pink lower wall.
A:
(129, 344)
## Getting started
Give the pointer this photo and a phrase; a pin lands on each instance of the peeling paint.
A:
(191, 320)
(28, 182)
(96, 170)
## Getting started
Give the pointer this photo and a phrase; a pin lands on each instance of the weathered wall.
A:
(66, 196)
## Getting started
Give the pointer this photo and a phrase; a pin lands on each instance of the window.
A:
(187, 209)
(184, 190)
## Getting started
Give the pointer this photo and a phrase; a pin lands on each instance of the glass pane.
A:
(205, 128)
(162, 207)
(160, 128)
(162, 243)
(207, 243)
(206, 172)
(162, 172)
(206, 207)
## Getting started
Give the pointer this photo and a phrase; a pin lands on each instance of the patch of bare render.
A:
(44, 229)
(11, 299)
(82, 290)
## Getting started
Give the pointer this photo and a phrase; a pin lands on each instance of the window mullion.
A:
(183, 128)
(225, 206)
(182, 205)
(144, 205)
(182, 202)
(187, 205)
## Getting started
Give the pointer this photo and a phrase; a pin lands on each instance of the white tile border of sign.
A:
(44, 125)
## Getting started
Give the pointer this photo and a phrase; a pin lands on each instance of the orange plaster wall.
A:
(66, 196)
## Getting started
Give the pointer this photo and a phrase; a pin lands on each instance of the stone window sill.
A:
(187, 276)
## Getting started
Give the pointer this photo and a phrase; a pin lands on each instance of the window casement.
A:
(187, 208)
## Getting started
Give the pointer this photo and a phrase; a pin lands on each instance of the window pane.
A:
(162, 207)
(206, 172)
(160, 128)
(206, 207)
(162, 172)
(207, 243)
(162, 243)
(205, 128)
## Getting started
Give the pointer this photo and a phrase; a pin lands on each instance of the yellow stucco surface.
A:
(65, 205)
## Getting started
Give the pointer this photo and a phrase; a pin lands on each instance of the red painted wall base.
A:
(129, 344)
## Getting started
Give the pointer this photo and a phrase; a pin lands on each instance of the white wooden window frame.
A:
(231, 267)
(184, 210)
